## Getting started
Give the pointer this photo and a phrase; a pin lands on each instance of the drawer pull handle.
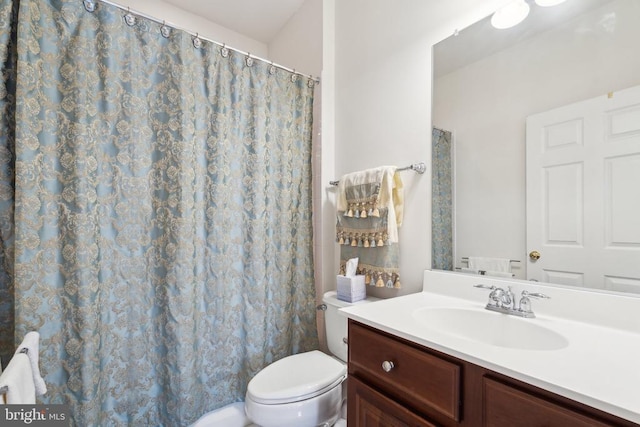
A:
(387, 366)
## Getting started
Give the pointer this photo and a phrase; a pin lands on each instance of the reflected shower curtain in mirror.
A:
(158, 230)
(442, 209)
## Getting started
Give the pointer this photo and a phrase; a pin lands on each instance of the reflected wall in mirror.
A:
(487, 82)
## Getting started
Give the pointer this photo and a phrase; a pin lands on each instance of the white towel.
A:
(490, 264)
(469, 271)
(18, 379)
(31, 343)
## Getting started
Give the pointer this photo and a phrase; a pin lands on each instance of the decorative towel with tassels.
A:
(370, 210)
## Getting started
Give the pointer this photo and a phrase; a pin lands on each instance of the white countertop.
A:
(599, 367)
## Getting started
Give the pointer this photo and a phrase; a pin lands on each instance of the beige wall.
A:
(383, 105)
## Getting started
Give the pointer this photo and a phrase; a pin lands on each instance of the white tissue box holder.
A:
(351, 289)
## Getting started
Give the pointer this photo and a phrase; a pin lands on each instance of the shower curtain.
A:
(442, 209)
(156, 212)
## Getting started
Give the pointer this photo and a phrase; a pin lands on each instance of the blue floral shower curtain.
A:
(442, 201)
(156, 212)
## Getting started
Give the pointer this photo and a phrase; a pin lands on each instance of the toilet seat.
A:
(296, 378)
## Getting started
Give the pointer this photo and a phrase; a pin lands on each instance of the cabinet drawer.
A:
(506, 406)
(418, 379)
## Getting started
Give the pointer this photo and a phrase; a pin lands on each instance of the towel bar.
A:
(418, 167)
(464, 258)
(483, 272)
(5, 389)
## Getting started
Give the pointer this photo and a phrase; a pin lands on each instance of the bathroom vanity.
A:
(424, 387)
(412, 363)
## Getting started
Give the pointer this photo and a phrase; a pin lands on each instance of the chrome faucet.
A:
(503, 301)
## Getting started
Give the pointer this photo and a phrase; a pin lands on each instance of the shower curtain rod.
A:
(90, 6)
(418, 167)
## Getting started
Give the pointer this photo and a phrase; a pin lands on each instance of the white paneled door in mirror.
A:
(583, 193)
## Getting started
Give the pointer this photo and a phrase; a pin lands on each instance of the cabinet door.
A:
(506, 406)
(369, 408)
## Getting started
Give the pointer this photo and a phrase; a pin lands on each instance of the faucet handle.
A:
(480, 285)
(525, 302)
(535, 295)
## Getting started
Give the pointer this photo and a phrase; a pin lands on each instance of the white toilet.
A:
(304, 390)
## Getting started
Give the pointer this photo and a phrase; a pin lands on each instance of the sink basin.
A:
(491, 328)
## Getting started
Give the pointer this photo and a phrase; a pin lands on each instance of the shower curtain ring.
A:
(197, 43)
(129, 18)
(89, 5)
(249, 60)
(224, 51)
(165, 30)
(272, 69)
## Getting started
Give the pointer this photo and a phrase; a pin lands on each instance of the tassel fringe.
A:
(367, 239)
(376, 277)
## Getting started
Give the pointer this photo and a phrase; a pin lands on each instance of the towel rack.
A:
(418, 167)
(484, 272)
(5, 388)
(465, 258)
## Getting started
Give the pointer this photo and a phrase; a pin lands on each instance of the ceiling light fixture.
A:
(547, 3)
(511, 14)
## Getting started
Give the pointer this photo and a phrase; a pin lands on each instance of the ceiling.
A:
(481, 39)
(258, 19)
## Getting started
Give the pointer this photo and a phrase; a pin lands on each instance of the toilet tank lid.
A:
(296, 378)
(331, 297)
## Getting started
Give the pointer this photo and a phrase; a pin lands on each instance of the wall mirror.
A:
(487, 84)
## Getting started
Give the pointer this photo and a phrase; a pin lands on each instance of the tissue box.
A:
(351, 289)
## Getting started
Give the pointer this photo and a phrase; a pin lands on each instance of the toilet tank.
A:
(336, 324)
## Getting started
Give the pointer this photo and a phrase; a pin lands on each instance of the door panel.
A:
(583, 193)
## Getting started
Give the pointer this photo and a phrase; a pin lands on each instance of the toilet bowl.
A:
(231, 415)
(306, 389)
(300, 390)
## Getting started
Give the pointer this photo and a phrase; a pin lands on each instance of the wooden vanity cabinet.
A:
(422, 387)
